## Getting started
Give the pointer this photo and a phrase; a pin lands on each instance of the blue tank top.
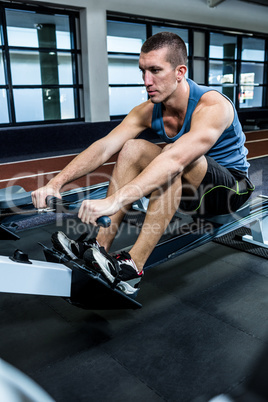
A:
(229, 151)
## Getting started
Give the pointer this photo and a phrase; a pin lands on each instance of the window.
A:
(39, 80)
(222, 63)
(233, 63)
(251, 78)
(240, 78)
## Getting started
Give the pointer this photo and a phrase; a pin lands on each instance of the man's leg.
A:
(164, 202)
(162, 207)
(133, 158)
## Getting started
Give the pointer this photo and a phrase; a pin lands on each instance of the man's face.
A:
(158, 75)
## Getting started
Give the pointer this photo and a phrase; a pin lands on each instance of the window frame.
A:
(74, 52)
(192, 28)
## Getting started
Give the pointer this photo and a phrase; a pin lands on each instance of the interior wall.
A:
(233, 14)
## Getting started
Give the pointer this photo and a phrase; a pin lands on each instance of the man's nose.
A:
(147, 78)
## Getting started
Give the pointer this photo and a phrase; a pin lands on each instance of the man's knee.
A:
(130, 148)
(138, 150)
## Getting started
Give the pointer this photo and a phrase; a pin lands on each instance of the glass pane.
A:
(221, 72)
(28, 105)
(36, 105)
(251, 73)
(25, 68)
(250, 96)
(124, 70)
(199, 44)
(253, 49)
(22, 37)
(226, 90)
(199, 71)
(81, 97)
(183, 33)
(67, 103)
(122, 100)
(123, 45)
(3, 107)
(2, 75)
(63, 40)
(65, 69)
(30, 29)
(32, 68)
(125, 37)
(222, 46)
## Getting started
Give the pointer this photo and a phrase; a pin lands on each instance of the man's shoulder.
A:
(215, 103)
(143, 113)
(145, 107)
(212, 96)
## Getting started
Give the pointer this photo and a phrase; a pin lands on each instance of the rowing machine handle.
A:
(57, 203)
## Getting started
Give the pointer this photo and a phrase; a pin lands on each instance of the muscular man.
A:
(204, 159)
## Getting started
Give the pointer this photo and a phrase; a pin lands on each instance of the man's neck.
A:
(177, 104)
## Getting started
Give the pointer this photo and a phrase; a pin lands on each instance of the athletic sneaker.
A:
(73, 248)
(120, 270)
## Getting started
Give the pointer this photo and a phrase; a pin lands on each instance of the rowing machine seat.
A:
(243, 211)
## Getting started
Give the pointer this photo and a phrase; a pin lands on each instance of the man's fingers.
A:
(39, 196)
(86, 213)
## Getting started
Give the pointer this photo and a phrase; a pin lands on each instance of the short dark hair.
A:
(177, 53)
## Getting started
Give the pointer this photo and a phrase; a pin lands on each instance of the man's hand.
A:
(91, 210)
(39, 196)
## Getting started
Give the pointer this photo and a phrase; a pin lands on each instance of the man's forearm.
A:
(84, 163)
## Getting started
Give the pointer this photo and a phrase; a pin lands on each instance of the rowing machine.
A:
(83, 287)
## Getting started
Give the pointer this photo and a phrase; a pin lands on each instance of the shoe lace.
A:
(123, 256)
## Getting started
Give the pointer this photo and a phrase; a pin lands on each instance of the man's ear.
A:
(180, 72)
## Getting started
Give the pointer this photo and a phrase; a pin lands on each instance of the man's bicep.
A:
(211, 119)
(132, 125)
(197, 142)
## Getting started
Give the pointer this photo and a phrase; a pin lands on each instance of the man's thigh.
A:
(140, 152)
(221, 191)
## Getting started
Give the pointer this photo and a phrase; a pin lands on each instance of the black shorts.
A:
(222, 191)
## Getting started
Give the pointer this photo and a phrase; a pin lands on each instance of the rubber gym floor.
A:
(200, 333)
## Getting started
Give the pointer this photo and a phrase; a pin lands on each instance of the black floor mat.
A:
(234, 240)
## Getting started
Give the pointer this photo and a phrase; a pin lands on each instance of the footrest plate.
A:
(89, 290)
